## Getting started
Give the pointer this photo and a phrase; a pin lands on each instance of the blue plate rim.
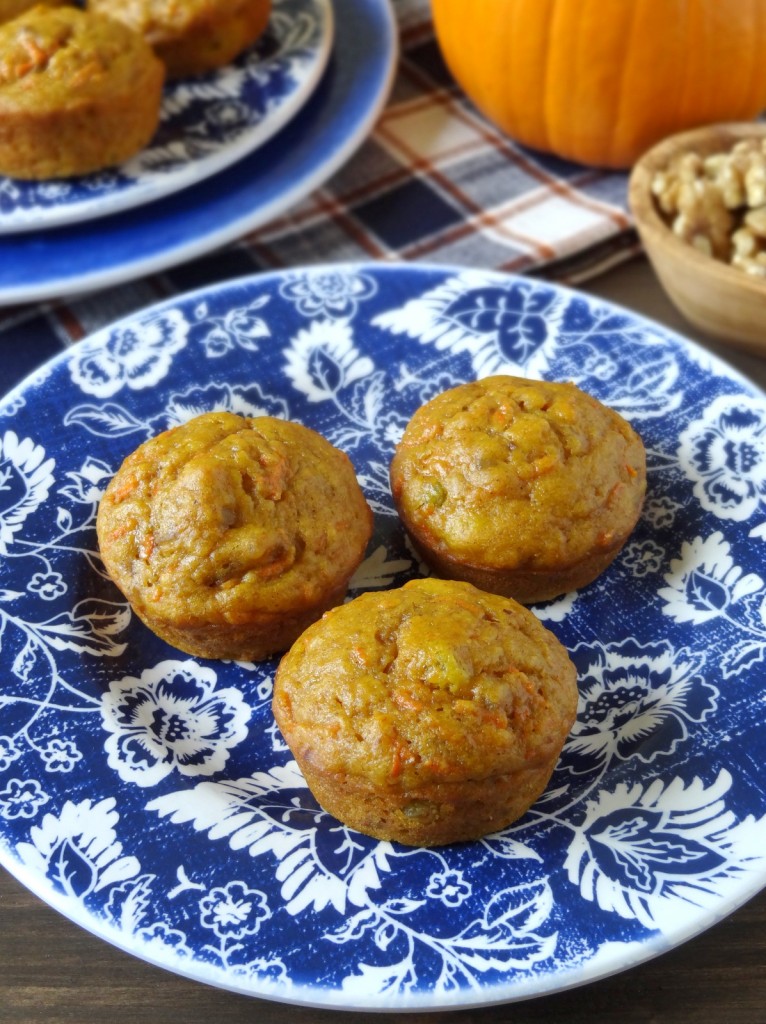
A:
(578, 977)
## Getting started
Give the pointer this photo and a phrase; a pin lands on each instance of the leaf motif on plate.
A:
(89, 628)
(323, 358)
(108, 420)
(641, 841)
(706, 583)
(509, 935)
(657, 852)
(743, 657)
(272, 814)
(78, 848)
(73, 873)
(500, 326)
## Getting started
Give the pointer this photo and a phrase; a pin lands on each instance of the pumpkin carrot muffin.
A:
(192, 36)
(229, 536)
(430, 714)
(525, 488)
(78, 93)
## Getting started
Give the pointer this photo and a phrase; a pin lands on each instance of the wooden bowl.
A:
(721, 300)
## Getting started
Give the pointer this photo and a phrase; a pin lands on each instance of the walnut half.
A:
(717, 203)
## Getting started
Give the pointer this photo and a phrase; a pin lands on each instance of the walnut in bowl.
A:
(699, 204)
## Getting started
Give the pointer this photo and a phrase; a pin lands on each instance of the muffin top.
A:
(436, 680)
(54, 57)
(223, 515)
(511, 473)
(12, 8)
(162, 21)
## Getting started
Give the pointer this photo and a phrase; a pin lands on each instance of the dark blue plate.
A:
(149, 796)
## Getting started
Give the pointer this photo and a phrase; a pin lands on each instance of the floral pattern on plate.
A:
(151, 797)
(206, 124)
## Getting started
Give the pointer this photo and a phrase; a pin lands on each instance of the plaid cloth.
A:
(435, 182)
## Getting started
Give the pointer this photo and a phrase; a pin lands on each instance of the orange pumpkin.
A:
(600, 81)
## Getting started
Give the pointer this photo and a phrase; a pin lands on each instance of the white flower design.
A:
(322, 359)
(26, 477)
(449, 886)
(269, 813)
(49, 585)
(14, 404)
(239, 327)
(328, 292)
(234, 910)
(501, 327)
(171, 718)
(22, 798)
(643, 558)
(9, 751)
(636, 700)
(658, 852)
(387, 429)
(704, 583)
(53, 190)
(512, 931)
(109, 419)
(10, 191)
(135, 356)
(60, 755)
(724, 453)
(661, 511)
(78, 850)
(600, 365)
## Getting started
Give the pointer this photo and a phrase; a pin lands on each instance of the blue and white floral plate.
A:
(150, 797)
(206, 124)
(315, 143)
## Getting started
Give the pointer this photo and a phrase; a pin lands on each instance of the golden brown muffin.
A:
(78, 93)
(229, 535)
(430, 714)
(12, 8)
(524, 488)
(192, 36)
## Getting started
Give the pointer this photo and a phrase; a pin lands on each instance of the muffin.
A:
(12, 8)
(430, 714)
(525, 488)
(228, 536)
(194, 36)
(78, 93)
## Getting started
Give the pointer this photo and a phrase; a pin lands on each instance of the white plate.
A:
(206, 124)
(208, 856)
(322, 136)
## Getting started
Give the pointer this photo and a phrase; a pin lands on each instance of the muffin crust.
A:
(192, 36)
(229, 535)
(526, 488)
(13, 8)
(78, 93)
(429, 714)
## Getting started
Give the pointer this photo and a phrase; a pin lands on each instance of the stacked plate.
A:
(233, 150)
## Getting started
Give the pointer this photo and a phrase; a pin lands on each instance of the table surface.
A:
(51, 971)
